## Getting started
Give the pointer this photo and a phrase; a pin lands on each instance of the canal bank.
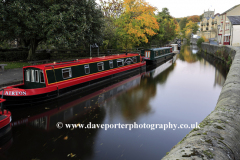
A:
(219, 134)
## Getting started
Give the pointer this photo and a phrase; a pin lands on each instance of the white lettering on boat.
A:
(15, 93)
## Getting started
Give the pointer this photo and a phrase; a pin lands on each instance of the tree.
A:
(64, 23)
(136, 23)
(112, 8)
(183, 23)
(168, 28)
(194, 18)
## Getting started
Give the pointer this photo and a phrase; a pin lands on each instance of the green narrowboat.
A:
(157, 55)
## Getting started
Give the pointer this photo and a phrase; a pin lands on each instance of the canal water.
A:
(180, 92)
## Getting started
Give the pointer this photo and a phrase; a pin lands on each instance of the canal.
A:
(180, 92)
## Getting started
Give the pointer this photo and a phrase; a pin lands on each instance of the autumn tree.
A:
(63, 23)
(191, 27)
(194, 18)
(136, 23)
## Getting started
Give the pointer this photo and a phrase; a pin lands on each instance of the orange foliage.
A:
(137, 21)
(205, 39)
(194, 18)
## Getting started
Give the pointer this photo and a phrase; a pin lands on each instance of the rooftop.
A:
(235, 20)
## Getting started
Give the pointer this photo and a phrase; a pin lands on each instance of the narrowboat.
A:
(48, 81)
(157, 55)
(78, 107)
(5, 116)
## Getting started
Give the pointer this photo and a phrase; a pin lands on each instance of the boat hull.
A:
(61, 92)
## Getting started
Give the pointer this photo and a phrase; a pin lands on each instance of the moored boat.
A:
(156, 55)
(5, 116)
(48, 81)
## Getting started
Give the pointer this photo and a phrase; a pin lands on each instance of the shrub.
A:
(199, 42)
(13, 56)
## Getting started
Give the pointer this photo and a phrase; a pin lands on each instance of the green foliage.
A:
(199, 42)
(183, 23)
(166, 30)
(64, 23)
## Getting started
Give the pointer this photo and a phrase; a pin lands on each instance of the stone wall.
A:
(214, 49)
(219, 135)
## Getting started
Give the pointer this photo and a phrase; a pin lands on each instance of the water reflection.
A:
(183, 90)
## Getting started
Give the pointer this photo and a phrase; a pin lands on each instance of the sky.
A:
(184, 8)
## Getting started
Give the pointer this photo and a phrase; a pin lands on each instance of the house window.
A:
(120, 62)
(226, 39)
(135, 59)
(87, 69)
(41, 77)
(111, 64)
(66, 73)
(27, 75)
(32, 76)
(36, 76)
(100, 66)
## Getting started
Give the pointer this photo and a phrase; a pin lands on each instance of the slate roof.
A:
(235, 20)
(230, 9)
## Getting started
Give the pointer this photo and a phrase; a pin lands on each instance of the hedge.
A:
(22, 55)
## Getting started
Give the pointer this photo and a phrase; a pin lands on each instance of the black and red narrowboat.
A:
(80, 106)
(5, 116)
(47, 81)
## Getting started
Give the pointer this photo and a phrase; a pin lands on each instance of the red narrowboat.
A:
(48, 81)
(5, 116)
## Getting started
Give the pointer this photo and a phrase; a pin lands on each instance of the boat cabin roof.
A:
(75, 62)
(162, 48)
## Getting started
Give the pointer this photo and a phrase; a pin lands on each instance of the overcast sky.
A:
(184, 8)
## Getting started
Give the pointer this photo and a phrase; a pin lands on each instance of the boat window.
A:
(66, 73)
(87, 69)
(100, 66)
(41, 76)
(120, 62)
(36, 76)
(111, 64)
(32, 76)
(27, 75)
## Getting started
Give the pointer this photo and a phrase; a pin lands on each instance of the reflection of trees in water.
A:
(186, 54)
(221, 69)
(135, 101)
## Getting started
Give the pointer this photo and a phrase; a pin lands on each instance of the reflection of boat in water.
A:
(5, 115)
(76, 108)
(154, 73)
(5, 138)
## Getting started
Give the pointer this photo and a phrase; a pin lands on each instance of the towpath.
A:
(10, 77)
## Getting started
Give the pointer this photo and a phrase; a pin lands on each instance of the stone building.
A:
(226, 34)
(208, 25)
